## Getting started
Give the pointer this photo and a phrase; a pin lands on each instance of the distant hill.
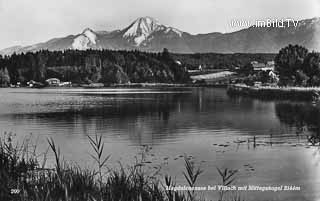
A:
(147, 34)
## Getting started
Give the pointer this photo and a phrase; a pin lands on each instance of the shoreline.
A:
(275, 93)
(132, 85)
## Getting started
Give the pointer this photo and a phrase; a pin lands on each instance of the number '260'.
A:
(15, 191)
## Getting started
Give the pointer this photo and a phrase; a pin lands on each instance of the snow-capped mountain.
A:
(148, 34)
(142, 30)
(85, 40)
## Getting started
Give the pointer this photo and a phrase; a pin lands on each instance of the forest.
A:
(221, 61)
(91, 66)
(109, 66)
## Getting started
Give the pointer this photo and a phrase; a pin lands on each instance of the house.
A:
(274, 77)
(53, 82)
(15, 85)
(34, 84)
(269, 66)
(65, 84)
(257, 84)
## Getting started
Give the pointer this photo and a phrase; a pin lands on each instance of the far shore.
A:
(276, 92)
(129, 85)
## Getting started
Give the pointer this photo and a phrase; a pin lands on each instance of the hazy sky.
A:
(25, 22)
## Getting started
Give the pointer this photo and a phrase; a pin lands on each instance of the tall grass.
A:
(228, 177)
(98, 146)
(191, 175)
(21, 169)
(15, 165)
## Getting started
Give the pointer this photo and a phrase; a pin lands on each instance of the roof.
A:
(212, 75)
(52, 79)
(258, 65)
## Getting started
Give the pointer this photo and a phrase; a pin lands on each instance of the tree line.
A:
(87, 66)
(222, 61)
(296, 66)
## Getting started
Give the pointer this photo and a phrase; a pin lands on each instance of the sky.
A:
(26, 22)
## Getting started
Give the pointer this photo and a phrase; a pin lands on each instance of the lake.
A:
(205, 124)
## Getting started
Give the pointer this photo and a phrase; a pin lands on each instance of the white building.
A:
(53, 82)
(263, 67)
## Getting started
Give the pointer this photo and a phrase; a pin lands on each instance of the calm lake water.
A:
(205, 124)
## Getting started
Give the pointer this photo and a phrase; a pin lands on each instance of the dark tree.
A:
(4, 77)
(311, 66)
(289, 64)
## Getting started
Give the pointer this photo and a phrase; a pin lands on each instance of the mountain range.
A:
(147, 34)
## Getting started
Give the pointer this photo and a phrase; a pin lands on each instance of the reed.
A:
(98, 146)
(228, 177)
(21, 169)
(191, 174)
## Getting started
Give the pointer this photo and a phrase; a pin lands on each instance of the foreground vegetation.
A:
(23, 177)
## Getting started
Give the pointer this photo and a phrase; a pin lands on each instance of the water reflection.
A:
(187, 121)
(304, 116)
(141, 116)
(149, 117)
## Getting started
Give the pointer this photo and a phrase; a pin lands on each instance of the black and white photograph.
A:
(160, 100)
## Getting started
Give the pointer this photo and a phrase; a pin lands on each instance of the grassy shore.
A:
(273, 92)
(164, 85)
(26, 178)
(133, 85)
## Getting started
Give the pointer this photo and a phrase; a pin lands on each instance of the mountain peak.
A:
(85, 40)
(147, 19)
(87, 30)
(141, 28)
(90, 34)
(146, 33)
